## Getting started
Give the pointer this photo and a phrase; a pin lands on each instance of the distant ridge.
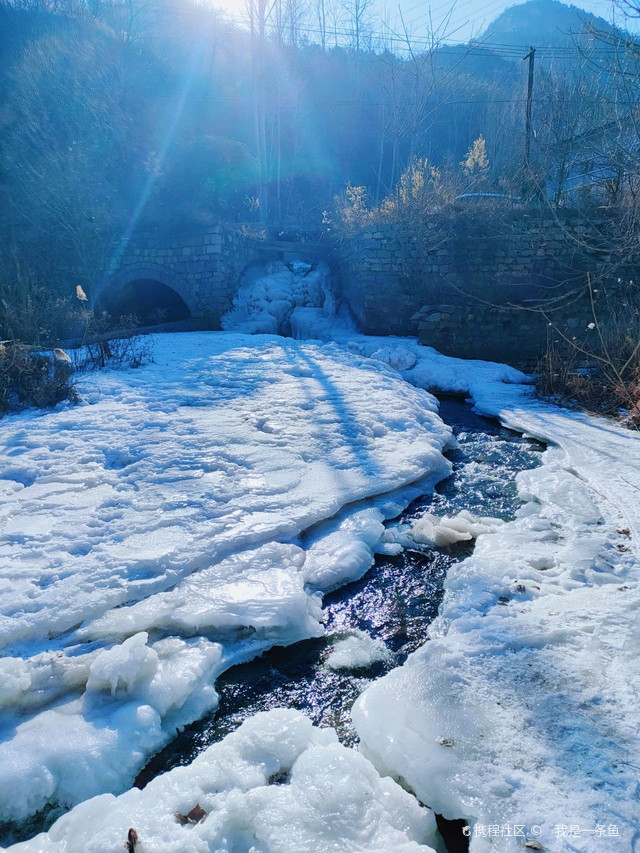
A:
(542, 23)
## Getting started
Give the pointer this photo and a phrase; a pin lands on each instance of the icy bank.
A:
(276, 783)
(152, 536)
(520, 715)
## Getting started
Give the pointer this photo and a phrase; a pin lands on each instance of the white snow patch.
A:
(522, 707)
(164, 509)
(357, 651)
(332, 800)
(267, 298)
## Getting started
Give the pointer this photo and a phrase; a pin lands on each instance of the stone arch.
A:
(118, 284)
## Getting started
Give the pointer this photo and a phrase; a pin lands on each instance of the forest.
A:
(120, 117)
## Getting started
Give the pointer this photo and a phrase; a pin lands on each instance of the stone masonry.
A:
(475, 289)
(203, 269)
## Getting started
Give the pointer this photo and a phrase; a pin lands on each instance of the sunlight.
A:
(319, 425)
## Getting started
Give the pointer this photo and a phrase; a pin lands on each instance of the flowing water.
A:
(394, 602)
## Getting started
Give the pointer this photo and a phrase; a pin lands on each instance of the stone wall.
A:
(454, 284)
(203, 269)
(493, 334)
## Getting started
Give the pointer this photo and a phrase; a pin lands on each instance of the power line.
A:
(363, 102)
(402, 43)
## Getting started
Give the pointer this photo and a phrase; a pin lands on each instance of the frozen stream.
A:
(284, 463)
(394, 602)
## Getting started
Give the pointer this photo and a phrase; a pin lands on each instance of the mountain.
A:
(542, 23)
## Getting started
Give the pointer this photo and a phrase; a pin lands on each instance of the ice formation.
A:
(450, 529)
(151, 535)
(190, 514)
(14, 680)
(357, 651)
(277, 783)
(521, 708)
(123, 667)
(268, 297)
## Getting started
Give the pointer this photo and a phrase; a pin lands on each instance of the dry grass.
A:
(599, 372)
(29, 378)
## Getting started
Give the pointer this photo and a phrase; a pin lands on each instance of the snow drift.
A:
(152, 536)
(276, 783)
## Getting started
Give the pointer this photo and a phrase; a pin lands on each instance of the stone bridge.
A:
(188, 277)
(468, 287)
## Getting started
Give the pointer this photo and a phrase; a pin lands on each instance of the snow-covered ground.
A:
(148, 540)
(523, 709)
(153, 532)
(521, 714)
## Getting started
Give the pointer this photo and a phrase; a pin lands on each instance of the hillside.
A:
(543, 23)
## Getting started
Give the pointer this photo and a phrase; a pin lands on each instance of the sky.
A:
(456, 21)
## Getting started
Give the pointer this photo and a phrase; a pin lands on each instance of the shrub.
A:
(31, 378)
(601, 371)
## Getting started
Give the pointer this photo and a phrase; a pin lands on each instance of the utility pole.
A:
(527, 180)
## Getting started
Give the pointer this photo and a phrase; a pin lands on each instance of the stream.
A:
(395, 601)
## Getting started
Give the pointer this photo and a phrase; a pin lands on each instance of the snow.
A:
(522, 707)
(277, 783)
(123, 667)
(357, 651)
(190, 514)
(84, 745)
(14, 680)
(186, 517)
(268, 298)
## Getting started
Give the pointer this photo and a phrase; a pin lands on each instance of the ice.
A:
(187, 516)
(135, 699)
(190, 514)
(277, 783)
(268, 298)
(522, 707)
(345, 551)
(261, 590)
(14, 680)
(449, 529)
(123, 667)
(357, 651)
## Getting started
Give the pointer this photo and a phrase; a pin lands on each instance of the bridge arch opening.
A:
(150, 301)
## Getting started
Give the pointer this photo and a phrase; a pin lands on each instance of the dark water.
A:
(395, 601)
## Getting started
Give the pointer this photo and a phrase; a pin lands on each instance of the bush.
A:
(601, 371)
(129, 349)
(30, 378)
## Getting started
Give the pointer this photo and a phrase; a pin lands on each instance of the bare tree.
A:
(359, 19)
